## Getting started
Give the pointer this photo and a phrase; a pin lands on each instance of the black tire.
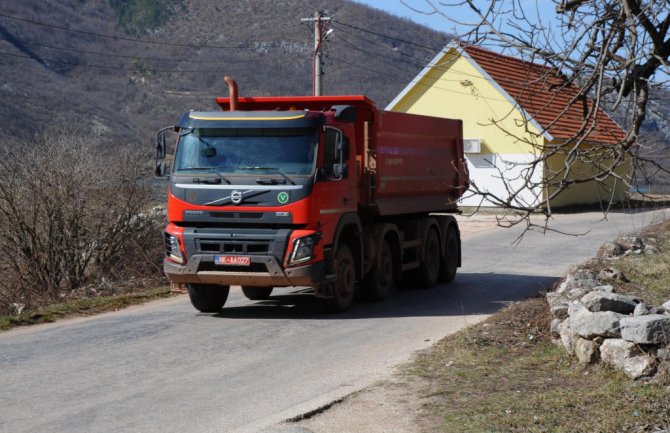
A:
(429, 271)
(345, 283)
(257, 293)
(380, 284)
(208, 298)
(449, 263)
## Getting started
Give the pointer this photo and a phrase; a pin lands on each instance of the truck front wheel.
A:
(345, 283)
(208, 298)
(257, 293)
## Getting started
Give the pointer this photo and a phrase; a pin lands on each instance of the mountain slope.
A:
(123, 90)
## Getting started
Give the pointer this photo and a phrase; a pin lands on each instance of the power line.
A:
(404, 41)
(115, 37)
(358, 66)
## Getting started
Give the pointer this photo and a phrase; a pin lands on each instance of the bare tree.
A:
(612, 54)
(66, 208)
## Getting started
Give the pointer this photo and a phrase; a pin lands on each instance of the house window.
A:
(482, 160)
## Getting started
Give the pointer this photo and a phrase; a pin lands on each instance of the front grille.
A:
(251, 247)
(254, 268)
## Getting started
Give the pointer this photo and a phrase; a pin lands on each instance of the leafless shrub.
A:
(65, 210)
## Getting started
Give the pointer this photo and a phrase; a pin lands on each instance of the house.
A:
(520, 120)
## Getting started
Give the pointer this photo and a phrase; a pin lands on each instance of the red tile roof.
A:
(542, 94)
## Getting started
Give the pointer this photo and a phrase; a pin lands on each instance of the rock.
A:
(581, 278)
(648, 249)
(666, 306)
(568, 336)
(586, 350)
(639, 366)
(663, 354)
(628, 243)
(610, 273)
(610, 250)
(576, 308)
(555, 327)
(649, 329)
(600, 324)
(559, 311)
(641, 309)
(615, 351)
(605, 288)
(605, 301)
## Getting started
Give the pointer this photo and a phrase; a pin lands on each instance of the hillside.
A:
(121, 69)
(123, 89)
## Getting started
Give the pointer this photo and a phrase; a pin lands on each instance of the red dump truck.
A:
(327, 192)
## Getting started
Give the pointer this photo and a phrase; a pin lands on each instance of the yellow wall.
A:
(609, 189)
(454, 88)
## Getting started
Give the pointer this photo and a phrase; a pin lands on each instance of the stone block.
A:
(641, 309)
(601, 324)
(606, 301)
(615, 351)
(639, 366)
(568, 336)
(649, 329)
(555, 327)
(586, 350)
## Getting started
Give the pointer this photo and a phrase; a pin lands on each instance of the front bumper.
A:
(264, 271)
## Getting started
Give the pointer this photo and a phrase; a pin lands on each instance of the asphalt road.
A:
(163, 367)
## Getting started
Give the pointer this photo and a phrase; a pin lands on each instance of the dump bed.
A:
(418, 161)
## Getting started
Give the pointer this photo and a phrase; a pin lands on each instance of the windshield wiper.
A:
(222, 177)
(273, 169)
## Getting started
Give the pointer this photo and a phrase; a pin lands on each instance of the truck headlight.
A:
(302, 250)
(172, 248)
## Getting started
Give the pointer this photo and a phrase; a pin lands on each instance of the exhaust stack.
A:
(232, 90)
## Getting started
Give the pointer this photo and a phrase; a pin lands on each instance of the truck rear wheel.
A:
(208, 298)
(257, 293)
(429, 271)
(345, 283)
(449, 264)
(380, 284)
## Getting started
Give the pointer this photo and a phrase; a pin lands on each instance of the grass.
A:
(82, 307)
(506, 375)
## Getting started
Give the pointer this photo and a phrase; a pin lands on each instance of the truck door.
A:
(337, 186)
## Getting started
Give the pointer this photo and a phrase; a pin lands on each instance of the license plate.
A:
(232, 260)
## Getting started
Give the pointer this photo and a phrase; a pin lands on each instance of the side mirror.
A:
(161, 150)
(160, 169)
(160, 145)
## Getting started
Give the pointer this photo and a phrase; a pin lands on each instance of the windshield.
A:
(290, 151)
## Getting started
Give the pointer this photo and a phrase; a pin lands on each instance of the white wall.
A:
(486, 170)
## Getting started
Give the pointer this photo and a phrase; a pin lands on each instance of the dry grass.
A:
(505, 375)
(82, 307)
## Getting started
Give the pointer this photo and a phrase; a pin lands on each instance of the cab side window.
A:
(330, 153)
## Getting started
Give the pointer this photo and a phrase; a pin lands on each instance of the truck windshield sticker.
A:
(282, 197)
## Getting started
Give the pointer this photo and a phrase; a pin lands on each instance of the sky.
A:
(435, 21)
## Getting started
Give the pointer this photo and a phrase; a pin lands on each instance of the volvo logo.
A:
(236, 197)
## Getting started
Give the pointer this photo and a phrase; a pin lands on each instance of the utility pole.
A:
(319, 37)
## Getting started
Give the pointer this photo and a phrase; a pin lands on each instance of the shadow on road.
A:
(469, 294)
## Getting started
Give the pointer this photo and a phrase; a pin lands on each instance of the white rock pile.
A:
(595, 324)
